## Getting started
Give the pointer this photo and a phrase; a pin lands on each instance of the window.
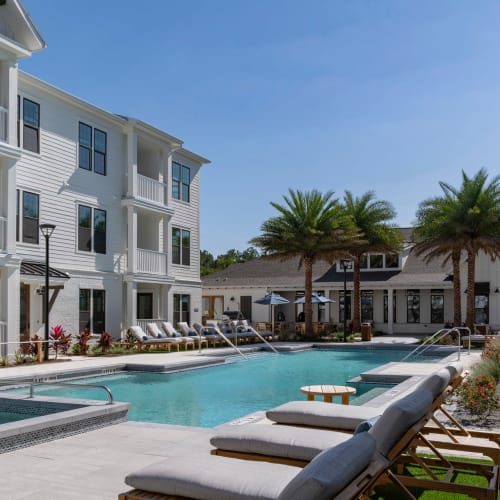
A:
(144, 305)
(181, 180)
(181, 246)
(91, 229)
(92, 314)
(413, 306)
(363, 262)
(391, 260)
(386, 306)
(376, 261)
(246, 306)
(367, 305)
(92, 152)
(347, 306)
(27, 216)
(31, 125)
(181, 308)
(437, 306)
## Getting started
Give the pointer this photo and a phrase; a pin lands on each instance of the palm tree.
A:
(438, 236)
(310, 225)
(371, 218)
(478, 224)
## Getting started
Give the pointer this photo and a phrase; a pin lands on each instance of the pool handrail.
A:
(66, 384)
(440, 334)
(219, 332)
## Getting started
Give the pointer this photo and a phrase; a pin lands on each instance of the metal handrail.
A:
(440, 334)
(66, 384)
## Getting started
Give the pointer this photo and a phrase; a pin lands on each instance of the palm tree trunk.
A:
(356, 301)
(308, 295)
(457, 297)
(471, 264)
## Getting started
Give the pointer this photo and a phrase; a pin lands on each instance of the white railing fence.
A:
(151, 190)
(4, 119)
(151, 262)
(3, 233)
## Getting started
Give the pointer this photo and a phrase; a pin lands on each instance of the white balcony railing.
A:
(3, 233)
(4, 118)
(151, 262)
(151, 190)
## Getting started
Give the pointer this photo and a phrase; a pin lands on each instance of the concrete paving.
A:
(94, 464)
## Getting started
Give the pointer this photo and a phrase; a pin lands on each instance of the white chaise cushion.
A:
(332, 470)
(320, 414)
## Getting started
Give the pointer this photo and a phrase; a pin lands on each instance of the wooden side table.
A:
(328, 391)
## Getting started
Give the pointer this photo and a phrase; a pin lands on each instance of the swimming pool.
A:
(211, 396)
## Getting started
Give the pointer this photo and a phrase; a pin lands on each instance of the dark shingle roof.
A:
(31, 268)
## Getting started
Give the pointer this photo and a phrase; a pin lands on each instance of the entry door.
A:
(24, 319)
(213, 307)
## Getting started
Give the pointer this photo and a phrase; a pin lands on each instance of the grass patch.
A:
(461, 476)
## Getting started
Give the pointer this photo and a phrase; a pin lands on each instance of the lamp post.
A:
(46, 230)
(345, 264)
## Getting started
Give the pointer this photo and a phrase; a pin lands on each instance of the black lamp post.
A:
(46, 230)
(345, 264)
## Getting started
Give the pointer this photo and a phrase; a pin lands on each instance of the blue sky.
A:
(385, 95)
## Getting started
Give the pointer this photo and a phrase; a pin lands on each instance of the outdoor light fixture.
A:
(46, 230)
(345, 264)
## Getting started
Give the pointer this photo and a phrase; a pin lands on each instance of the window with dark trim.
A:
(413, 306)
(386, 306)
(27, 216)
(391, 260)
(144, 305)
(367, 305)
(437, 306)
(91, 229)
(181, 308)
(181, 182)
(31, 125)
(92, 310)
(181, 246)
(347, 305)
(92, 149)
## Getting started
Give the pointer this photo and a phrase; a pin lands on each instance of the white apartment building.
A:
(123, 195)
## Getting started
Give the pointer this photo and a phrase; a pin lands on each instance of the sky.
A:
(338, 95)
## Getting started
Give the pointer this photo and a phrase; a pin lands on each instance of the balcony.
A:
(151, 190)
(4, 119)
(151, 262)
(3, 233)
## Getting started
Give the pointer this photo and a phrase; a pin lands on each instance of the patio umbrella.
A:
(315, 299)
(272, 299)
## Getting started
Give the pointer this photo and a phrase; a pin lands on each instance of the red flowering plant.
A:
(60, 341)
(105, 342)
(478, 395)
(83, 340)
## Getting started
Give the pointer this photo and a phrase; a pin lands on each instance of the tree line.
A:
(316, 226)
(210, 264)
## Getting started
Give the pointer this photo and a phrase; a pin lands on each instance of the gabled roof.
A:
(18, 26)
(263, 273)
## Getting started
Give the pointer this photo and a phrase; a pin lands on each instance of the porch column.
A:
(9, 190)
(132, 240)
(12, 103)
(11, 282)
(131, 304)
(132, 163)
(390, 307)
(163, 302)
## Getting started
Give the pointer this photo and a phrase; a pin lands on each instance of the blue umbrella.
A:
(272, 299)
(315, 299)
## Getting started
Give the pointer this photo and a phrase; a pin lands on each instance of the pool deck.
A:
(94, 464)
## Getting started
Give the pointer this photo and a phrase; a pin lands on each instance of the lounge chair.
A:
(208, 333)
(251, 329)
(142, 340)
(171, 332)
(341, 472)
(192, 334)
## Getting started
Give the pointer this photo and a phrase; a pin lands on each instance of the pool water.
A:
(211, 396)
(8, 416)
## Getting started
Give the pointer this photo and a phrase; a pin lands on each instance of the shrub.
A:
(5, 360)
(83, 340)
(60, 341)
(492, 350)
(487, 367)
(75, 348)
(105, 341)
(19, 357)
(477, 394)
(117, 349)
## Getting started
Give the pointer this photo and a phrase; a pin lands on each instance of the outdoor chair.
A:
(171, 332)
(265, 334)
(143, 340)
(192, 334)
(208, 333)
(343, 472)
